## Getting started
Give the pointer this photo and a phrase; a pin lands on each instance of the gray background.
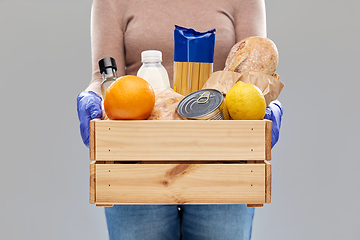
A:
(45, 61)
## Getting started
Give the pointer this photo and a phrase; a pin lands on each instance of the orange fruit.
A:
(129, 98)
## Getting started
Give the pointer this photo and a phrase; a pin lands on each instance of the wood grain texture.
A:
(268, 132)
(180, 183)
(104, 205)
(92, 146)
(180, 140)
(92, 191)
(254, 205)
(268, 182)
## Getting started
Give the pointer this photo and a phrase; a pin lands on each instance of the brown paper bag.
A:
(270, 86)
(165, 105)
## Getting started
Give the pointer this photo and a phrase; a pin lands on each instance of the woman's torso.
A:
(149, 25)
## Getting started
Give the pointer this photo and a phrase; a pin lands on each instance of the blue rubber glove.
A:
(274, 113)
(88, 107)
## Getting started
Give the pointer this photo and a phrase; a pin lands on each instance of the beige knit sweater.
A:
(122, 29)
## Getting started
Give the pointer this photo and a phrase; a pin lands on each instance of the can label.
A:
(205, 104)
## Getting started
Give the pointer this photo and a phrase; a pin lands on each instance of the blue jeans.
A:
(175, 222)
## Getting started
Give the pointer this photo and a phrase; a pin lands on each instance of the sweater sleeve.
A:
(107, 38)
(250, 19)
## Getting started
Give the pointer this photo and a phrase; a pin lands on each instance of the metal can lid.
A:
(199, 104)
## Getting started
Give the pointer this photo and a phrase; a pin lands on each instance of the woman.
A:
(122, 30)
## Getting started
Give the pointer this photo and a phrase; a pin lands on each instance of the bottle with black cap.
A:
(108, 71)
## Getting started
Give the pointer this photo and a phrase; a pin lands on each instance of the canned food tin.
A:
(205, 104)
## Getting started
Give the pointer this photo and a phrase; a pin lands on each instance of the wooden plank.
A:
(254, 205)
(92, 192)
(268, 182)
(180, 183)
(92, 146)
(180, 140)
(268, 132)
(104, 205)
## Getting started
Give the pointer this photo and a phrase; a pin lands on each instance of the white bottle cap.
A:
(151, 56)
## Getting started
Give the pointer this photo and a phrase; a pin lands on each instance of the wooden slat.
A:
(180, 140)
(268, 182)
(180, 183)
(254, 205)
(92, 146)
(104, 205)
(268, 131)
(92, 191)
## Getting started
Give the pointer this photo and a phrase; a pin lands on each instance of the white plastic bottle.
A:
(153, 71)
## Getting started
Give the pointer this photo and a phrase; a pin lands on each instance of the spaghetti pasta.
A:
(195, 77)
(205, 72)
(184, 77)
(190, 76)
(177, 77)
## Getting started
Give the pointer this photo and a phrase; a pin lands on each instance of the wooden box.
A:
(180, 162)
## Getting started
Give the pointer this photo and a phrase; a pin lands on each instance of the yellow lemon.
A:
(245, 101)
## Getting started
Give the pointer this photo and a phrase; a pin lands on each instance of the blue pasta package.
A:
(193, 58)
(193, 46)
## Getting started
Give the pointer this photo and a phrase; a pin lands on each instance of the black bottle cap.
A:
(107, 62)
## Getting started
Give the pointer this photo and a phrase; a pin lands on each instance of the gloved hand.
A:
(88, 107)
(274, 113)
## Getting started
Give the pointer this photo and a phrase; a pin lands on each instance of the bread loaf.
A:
(253, 54)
